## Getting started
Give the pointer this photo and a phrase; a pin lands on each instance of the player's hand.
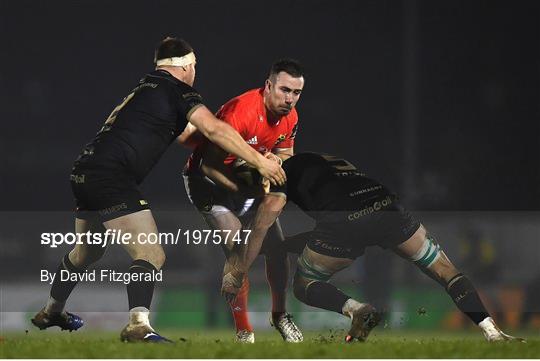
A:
(272, 171)
(231, 284)
(274, 157)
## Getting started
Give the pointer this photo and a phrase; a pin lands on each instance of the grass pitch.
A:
(219, 344)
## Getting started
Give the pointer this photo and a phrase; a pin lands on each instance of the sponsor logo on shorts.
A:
(143, 202)
(365, 190)
(79, 179)
(375, 207)
(331, 248)
(113, 209)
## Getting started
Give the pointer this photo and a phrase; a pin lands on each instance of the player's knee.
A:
(157, 258)
(421, 234)
(82, 257)
(77, 258)
(154, 255)
(307, 273)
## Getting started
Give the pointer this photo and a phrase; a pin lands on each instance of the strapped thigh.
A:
(428, 254)
(310, 271)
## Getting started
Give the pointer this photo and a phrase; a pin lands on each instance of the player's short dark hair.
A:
(289, 66)
(172, 47)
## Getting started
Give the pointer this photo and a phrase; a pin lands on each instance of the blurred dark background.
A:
(440, 100)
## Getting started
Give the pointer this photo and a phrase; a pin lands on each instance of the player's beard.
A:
(284, 110)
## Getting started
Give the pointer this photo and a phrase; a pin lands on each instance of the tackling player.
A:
(106, 175)
(266, 119)
(352, 212)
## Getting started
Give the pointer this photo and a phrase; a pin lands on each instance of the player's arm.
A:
(213, 167)
(190, 137)
(237, 267)
(267, 213)
(226, 137)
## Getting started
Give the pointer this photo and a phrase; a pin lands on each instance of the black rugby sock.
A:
(61, 290)
(140, 292)
(464, 295)
(326, 296)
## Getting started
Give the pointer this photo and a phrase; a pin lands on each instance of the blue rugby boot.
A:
(142, 333)
(65, 320)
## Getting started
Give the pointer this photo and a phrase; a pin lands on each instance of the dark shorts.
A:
(381, 221)
(213, 200)
(105, 195)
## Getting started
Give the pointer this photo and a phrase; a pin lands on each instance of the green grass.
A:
(218, 344)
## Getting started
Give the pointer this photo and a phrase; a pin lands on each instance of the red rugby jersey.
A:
(247, 114)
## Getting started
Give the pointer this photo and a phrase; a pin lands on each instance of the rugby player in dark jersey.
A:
(106, 176)
(351, 212)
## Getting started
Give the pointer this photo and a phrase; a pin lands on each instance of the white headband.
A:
(177, 61)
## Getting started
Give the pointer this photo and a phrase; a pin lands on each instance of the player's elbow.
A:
(203, 120)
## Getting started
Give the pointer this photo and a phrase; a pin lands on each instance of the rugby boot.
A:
(142, 333)
(245, 336)
(493, 333)
(364, 319)
(64, 320)
(287, 328)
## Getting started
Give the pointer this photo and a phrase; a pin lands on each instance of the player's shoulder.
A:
(165, 81)
(243, 104)
(251, 95)
(245, 100)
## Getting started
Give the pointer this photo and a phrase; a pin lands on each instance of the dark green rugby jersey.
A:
(139, 130)
(321, 183)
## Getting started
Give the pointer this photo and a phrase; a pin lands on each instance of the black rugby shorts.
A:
(379, 221)
(105, 195)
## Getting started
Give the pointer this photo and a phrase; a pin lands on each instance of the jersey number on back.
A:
(338, 163)
(112, 117)
(114, 113)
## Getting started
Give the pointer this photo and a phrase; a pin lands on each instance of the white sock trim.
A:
(350, 306)
(139, 316)
(487, 323)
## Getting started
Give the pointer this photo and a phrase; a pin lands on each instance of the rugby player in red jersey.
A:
(266, 119)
